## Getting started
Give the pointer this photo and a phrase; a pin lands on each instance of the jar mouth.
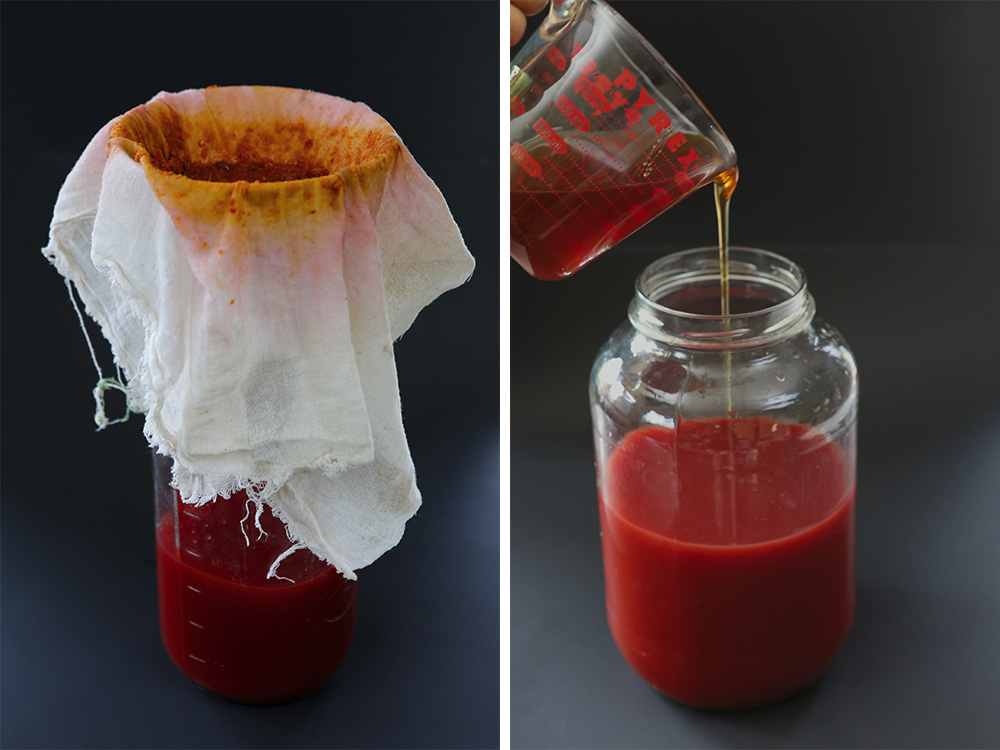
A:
(678, 298)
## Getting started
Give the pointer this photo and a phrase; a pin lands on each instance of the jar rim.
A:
(788, 309)
(737, 254)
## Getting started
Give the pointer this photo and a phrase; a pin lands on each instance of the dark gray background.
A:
(82, 663)
(866, 142)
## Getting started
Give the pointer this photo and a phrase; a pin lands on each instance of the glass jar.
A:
(726, 479)
(233, 620)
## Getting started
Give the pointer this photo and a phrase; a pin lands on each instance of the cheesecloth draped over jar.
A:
(251, 253)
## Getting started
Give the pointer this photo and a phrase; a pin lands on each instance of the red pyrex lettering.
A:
(660, 122)
(606, 95)
(687, 159)
(674, 143)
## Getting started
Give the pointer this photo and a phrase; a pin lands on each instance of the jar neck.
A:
(678, 299)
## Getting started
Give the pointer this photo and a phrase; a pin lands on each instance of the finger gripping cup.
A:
(604, 137)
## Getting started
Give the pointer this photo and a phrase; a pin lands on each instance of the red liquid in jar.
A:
(228, 627)
(729, 558)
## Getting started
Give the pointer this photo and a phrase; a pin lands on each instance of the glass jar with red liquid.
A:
(726, 479)
(236, 617)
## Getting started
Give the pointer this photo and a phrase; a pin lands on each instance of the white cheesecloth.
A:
(251, 253)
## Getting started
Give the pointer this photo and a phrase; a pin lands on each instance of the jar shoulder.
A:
(810, 377)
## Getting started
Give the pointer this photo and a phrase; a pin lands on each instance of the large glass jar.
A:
(726, 480)
(241, 613)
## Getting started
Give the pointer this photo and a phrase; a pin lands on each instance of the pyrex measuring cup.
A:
(604, 136)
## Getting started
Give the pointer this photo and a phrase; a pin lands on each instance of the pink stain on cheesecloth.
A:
(251, 253)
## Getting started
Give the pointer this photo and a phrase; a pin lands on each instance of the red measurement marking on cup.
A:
(522, 157)
(597, 177)
(588, 218)
(553, 166)
(549, 135)
(583, 199)
(574, 115)
(543, 245)
(531, 166)
(556, 57)
(609, 180)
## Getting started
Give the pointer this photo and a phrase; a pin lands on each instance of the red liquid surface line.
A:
(551, 239)
(577, 204)
(556, 231)
(732, 586)
(238, 634)
(574, 212)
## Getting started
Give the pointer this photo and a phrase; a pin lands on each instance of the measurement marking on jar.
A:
(192, 622)
(346, 609)
(197, 591)
(192, 656)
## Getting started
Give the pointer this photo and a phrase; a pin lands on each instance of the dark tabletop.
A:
(82, 662)
(864, 132)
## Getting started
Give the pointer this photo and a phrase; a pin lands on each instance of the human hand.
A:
(519, 9)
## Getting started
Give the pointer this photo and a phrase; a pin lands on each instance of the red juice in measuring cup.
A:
(718, 611)
(230, 627)
(584, 208)
(605, 136)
